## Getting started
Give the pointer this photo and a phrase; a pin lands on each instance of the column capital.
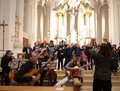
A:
(60, 13)
(97, 7)
(88, 14)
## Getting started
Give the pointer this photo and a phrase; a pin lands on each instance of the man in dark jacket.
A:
(60, 55)
(25, 68)
(6, 59)
(27, 50)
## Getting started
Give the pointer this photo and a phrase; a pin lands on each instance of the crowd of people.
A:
(102, 58)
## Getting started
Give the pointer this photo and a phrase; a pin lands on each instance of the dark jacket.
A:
(102, 67)
(76, 51)
(27, 50)
(23, 70)
(4, 63)
(60, 51)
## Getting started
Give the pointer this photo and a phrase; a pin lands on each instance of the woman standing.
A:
(102, 75)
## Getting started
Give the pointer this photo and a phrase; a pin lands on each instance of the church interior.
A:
(41, 40)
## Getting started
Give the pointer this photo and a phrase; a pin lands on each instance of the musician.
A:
(6, 59)
(47, 60)
(72, 69)
(25, 68)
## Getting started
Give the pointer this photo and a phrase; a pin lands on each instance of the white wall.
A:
(7, 13)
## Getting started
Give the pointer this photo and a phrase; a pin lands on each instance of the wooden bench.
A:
(34, 88)
(76, 84)
(1, 77)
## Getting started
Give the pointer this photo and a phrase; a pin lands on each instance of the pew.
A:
(1, 77)
(34, 88)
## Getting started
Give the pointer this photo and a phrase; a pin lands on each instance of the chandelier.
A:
(71, 6)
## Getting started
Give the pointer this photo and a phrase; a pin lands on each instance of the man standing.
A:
(6, 59)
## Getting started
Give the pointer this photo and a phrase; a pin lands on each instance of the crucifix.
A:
(3, 25)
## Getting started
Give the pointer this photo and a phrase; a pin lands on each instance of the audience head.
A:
(105, 50)
(74, 58)
(52, 43)
(8, 53)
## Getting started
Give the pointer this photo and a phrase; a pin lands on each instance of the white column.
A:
(1, 29)
(99, 29)
(0, 9)
(30, 22)
(45, 33)
(38, 24)
(87, 21)
(26, 16)
(33, 35)
(119, 19)
(48, 21)
(41, 24)
(53, 19)
(18, 39)
(92, 25)
(68, 27)
(114, 22)
(60, 30)
(76, 27)
(30, 11)
(105, 23)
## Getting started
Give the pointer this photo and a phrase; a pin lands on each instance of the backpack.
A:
(84, 58)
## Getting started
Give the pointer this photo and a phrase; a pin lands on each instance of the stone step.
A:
(88, 77)
(86, 72)
(90, 82)
(91, 77)
(89, 88)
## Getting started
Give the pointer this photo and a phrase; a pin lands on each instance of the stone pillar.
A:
(33, 35)
(60, 26)
(41, 24)
(48, 21)
(87, 22)
(30, 21)
(105, 23)
(68, 27)
(114, 21)
(45, 33)
(26, 17)
(38, 24)
(18, 36)
(73, 27)
(119, 19)
(1, 29)
(99, 29)
(76, 27)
